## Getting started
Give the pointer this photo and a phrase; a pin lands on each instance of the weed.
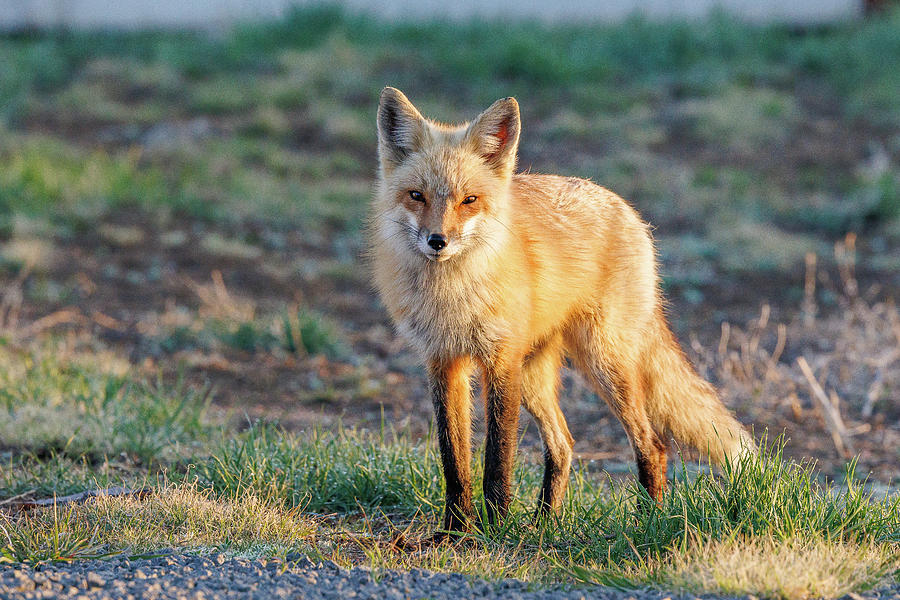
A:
(312, 333)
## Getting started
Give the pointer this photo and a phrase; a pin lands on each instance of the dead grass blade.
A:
(833, 419)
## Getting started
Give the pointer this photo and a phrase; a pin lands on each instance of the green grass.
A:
(312, 333)
(264, 491)
(609, 533)
(297, 98)
(299, 332)
(58, 401)
(51, 536)
(325, 472)
(353, 470)
(250, 497)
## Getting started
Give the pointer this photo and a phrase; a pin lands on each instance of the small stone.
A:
(95, 580)
(139, 574)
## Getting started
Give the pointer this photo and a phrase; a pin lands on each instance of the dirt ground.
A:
(379, 381)
(206, 298)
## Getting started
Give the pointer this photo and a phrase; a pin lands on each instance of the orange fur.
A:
(535, 268)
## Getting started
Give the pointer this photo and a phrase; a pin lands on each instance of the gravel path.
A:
(206, 578)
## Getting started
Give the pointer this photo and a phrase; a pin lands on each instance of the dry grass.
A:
(183, 516)
(796, 569)
(853, 359)
(172, 516)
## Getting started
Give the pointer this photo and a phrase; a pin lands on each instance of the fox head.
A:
(443, 190)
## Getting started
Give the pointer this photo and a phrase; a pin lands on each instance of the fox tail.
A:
(682, 403)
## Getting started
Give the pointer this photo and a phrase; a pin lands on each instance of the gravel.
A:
(212, 577)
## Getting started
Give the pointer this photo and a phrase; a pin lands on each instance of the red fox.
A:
(481, 267)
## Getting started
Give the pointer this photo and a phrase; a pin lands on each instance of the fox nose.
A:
(437, 241)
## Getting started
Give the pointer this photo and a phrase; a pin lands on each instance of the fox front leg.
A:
(503, 395)
(452, 398)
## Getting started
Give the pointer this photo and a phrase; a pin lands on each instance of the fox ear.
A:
(400, 127)
(495, 134)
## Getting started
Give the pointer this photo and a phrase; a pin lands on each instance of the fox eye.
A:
(470, 199)
(416, 195)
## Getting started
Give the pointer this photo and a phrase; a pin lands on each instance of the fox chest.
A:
(448, 320)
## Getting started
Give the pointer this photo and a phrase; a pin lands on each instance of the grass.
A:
(324, 472)
(42, 475)
(754, 529)
(311, 333)
(57, 402)
(281, 113)
(805, 567)
(54, 535)
(298, 332)
(172, 516)
(349, 494)
(351, 471)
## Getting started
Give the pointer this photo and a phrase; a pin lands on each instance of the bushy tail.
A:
(688, 407)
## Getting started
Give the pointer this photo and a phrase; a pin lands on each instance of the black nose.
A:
(437, 241)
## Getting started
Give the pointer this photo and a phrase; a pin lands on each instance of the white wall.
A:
(217, 13)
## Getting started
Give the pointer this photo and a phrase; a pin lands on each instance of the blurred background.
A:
(183, 190)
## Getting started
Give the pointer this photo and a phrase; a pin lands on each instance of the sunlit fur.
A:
(537, 268)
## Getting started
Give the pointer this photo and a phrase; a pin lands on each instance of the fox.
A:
(483, 269)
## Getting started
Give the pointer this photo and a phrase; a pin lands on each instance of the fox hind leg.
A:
(540, 396)
(618, 380)
(628, 403)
